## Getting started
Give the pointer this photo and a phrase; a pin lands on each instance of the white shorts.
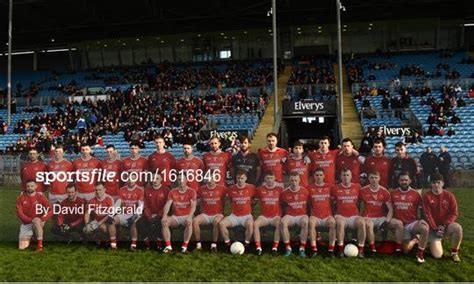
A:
(124, 219)
(377, 221)
(266, 221)
(408, 230)
(56, 198)
(239, 220)
(86, 196)
(26, 231)
(350, 222)
(295, 220)
(209, 219)
(322, 222)
(181, 220)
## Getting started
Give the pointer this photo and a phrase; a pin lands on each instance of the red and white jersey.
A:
(138, 165)
(112, 187)
(98, 208)
(296, 202)
(56, 186)
(269, 200)
(347, 199)
(406, 205)
(380, 164)
(321, 203)
(155, 200)
(351, 162)
(70, 213)
(130, 198)
(299, 166)
(82, 166)
(192, 166)
(163, 162)
(375, 201)
(326, 161)
(440, 209)
(28, 172)
(212, 200)
(29, 207)
(217, 162)
(182, 201)
(241, 199)
(272, 161)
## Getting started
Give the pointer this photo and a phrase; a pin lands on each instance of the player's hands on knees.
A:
(164, 220)
(189, 221)
(36, 220)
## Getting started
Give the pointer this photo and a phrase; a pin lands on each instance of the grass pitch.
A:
(75, 262)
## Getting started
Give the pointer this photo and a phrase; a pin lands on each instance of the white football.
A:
(237, 248)
(351, 250)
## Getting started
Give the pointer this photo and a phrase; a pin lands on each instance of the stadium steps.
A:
(266, 125)
(351, 126)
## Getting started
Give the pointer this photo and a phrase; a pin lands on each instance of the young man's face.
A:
(71, 193)
(437, 186)
(159, 143)
(33, 155)
(400, 151)
(294, 181)
(241, 179)
(99, 191)
(31, 187)
(298, 150)
(346, 177)
(269, 180)
(404, 182)
(244, 146)
(271, 142)
(214, 144)
(58, 153)
(374, 179)
(319, 176)
(86, 151)
(187, 150)
(157, 181)
(324, 144)
(134, 150)
(347, 147)
(111, 153)
(378, 148)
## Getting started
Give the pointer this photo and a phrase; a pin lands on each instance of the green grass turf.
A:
(61, 262)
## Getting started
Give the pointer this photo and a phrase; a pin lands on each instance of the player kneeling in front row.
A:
(378, 212)
(130, 202)
(212, 197)
(241, 195)
(441, 212)
(269, 196)
(183, 200)
(346, 198)
(71, 215)
(321, 212)
(34, 210)
(96, 218)
(295, 201)
(407, 204)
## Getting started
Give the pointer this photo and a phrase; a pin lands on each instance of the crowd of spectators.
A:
(137, 115)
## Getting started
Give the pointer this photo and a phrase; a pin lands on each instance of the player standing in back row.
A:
(216, 161)
(271, 157)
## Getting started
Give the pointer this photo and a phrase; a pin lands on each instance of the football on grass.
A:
(351, 250)
(237, 248)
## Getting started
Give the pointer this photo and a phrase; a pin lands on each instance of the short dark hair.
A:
(269, 173)
(71, 185)
(325, 137)
(110, 146)
(375, 173)
(437, 177)
(240, 173)
(347, 140)
(134, 143)
(272, 134)
(380, 140)
(244, 137)
(399, 144)
(159, 137)
(30, 180)
(298, 143)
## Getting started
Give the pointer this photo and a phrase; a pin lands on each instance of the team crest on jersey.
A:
(403, 197)
(297, 197)
(374, 196)
(134, 164)
(347, 191)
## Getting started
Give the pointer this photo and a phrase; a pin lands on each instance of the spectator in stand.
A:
(451, 132)
(444, 165)
(429, 163)
(455, 119)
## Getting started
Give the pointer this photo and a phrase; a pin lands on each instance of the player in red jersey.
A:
(183, 199)
(297, 162)
(61, 167)
(240, 195)
(161, 160)
(270, 213)
(86, 165)
(97, 216)
(378, 212)
(407, 204)
(191, 166)
(212, 198)
(441, 211)
(216, 160)
(149, 225)
(321, 211)
(378, 162)
(325, 159)
(346, 197)
(349, 158)
(271, 157)
(130, 201)
(136, 165)
(71, 214)
(113, 165)
(33, 210)
(30, 168)
(295, 202)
